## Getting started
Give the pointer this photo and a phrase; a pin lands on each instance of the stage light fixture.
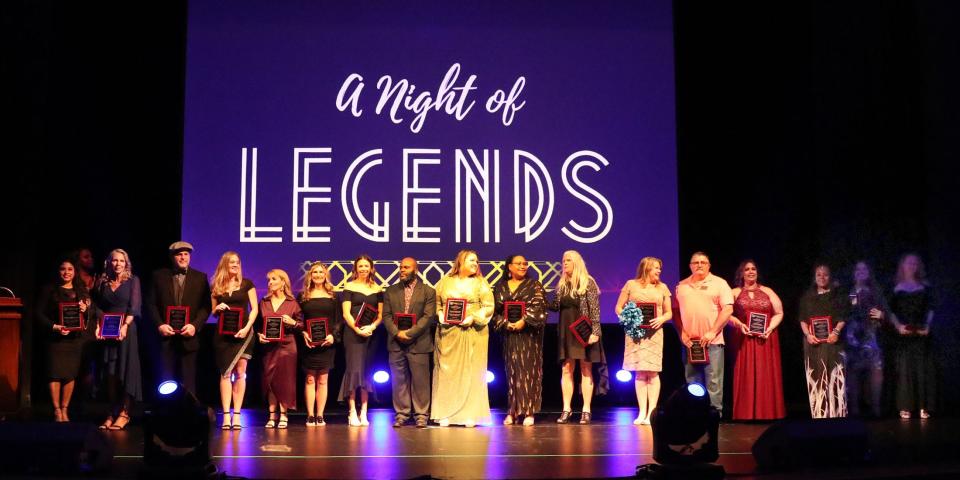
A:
(381, 376)
(176, 435)
(685, 437)
(490, 377)
(624, 376)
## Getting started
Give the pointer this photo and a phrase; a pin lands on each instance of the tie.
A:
(178, 280)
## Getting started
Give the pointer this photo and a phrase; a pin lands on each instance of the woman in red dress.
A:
(280, 357)
(757, 379)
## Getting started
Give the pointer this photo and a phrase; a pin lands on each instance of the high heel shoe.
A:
(63, 413)
(585, 418)
(354, 421)
(106, 423)
(117, 425)
(227, 421)
(508, 420)
(282, 424)
(565, 416)
(271, 422)
(57, 415)
(235, 418)
(528, 421)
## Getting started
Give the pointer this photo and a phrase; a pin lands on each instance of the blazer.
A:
(196, 295)
(423, 304)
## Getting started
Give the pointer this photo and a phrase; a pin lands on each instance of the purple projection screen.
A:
(323, 130)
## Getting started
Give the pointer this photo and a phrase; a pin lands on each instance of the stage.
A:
(611, 447)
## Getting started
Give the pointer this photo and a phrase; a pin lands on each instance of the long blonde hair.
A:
(221, 277)
(461, 259)
(308, 285)
(125, 275)
(287, 289)
(643, 270)
(576, 283)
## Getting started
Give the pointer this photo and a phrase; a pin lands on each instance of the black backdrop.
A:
(806, 130)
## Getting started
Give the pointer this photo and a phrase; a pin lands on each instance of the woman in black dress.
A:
(912, 314)
(824, 358)
(522, 340)
(577, 295)
(233, 351)
(63, 347)
(360, 342)
(117, 290)
(318, 300)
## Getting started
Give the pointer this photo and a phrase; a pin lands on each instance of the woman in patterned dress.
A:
(644, 356)
(758, 376)
(824, 359)
(522, 340)
(577, 296)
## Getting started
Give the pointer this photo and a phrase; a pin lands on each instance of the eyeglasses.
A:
(700, 262)
(520, 264)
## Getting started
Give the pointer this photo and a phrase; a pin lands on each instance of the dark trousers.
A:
(179, 364)
(411, 383)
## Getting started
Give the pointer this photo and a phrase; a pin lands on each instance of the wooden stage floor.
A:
(612, 447)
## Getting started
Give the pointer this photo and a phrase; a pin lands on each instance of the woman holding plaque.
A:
(464, 308)
(578, 301)
(117, 291)
(911, 308)
(280, 351)
(644, 355)
(758, 376)
(864, 355)
(362, 309)
(822, 318)
(519, 315)
(62, 313)
(319, 303)
(232, 350)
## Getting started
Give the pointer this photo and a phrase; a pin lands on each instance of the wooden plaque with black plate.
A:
(581, 329)
(514, 311)
(229, 322)
(71, 318)
(455, 311)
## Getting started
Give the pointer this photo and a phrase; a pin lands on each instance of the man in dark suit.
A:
(410, 349)
(180, 285)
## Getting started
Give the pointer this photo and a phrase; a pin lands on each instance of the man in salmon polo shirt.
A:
(706, 302)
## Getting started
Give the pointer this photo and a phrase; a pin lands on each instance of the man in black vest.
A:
(180, 285)
(410, 349)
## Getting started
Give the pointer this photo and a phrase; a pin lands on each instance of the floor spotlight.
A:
(624, 376)
(381, 376)
(490, 377)
(176, 435)
(685, 437)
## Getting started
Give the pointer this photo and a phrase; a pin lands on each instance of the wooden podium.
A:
(11, 311)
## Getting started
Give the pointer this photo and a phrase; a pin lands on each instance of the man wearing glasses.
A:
(706, 302)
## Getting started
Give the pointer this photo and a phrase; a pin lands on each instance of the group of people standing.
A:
(418, 328)
(842, 347)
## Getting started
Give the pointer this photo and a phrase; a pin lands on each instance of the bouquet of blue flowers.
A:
(630, 319)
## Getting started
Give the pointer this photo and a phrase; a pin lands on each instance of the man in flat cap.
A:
(180, 304)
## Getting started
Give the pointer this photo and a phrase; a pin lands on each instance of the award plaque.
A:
(581, 330)
(367, 315)
(649, 311)
(273, 328)
(514, 311)
(404, 321)
(756, 323)
(697, 354)
(455, 311)
(177, 317)
(821, 327)
(230, 320)
(110, 325)
(318, 329)
(71, 318)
